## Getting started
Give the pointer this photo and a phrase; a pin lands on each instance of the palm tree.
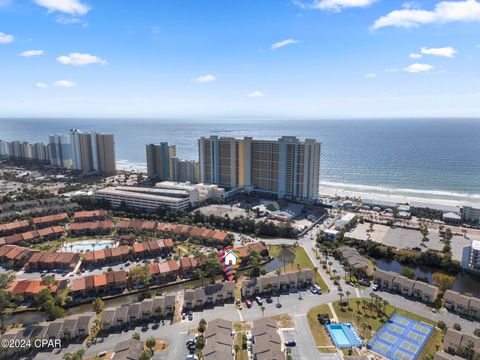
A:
(348, 293)
(263, 310)
(341, 295)
(329, 265)
(150, 343)
(358, 305)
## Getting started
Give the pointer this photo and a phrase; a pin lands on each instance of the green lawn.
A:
(301, 261)
(319, 332)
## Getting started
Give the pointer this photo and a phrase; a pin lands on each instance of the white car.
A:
(375, 287)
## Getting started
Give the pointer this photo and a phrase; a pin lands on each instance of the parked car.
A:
(268, 300)
(312, 289)
(290, 343)
(259, 300)
(318, 289)
(190, 316)
(248, 303)
(375, 287)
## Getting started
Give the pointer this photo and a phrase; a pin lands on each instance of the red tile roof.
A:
(90, 214)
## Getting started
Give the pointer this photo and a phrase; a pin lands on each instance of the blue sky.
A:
(244, 58)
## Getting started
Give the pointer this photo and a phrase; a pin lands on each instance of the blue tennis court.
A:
(401, 338)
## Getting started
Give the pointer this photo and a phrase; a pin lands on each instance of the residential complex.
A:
(92, 152)
(284, 168)
(79, 150)
(163, 164)
(24, 151)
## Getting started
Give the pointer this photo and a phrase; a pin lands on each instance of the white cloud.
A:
(256, 94)
(334, 5)
(74, 7)
(415, 56)
(444, 52)
(78, 59)
(444, 12)
(411, 5)
(64, 84)
(283, 43)
(371, 75)
(418, 68)
(40, 85)
(5, 38)
(30, 53)
(391, 70)
(70, 20)
(205, 78)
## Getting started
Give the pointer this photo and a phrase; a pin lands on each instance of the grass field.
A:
(319, 332)
(301, 261)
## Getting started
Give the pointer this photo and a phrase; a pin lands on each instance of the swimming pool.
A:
(88, 245)
(344, 335)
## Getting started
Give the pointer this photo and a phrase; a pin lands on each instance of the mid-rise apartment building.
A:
(286, 167)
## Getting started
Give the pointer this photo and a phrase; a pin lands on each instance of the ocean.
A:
(432, 158)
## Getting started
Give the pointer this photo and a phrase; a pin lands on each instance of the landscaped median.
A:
(367, 316)
(297, 258)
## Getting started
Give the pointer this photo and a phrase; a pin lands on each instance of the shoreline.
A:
(397, 198)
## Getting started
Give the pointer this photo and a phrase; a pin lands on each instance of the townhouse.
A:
(127, 226)
(130, 349)
(27, 289)
(442, 355)
(49, 220)
(218, 340)
(357, 263)
(88, 216)
(267, 343)
(399, 284)
(216, 236)
(106, 256)
(14, 227)
(462, 304)
(155, 308)
(164, 271)
(75, 327)
(52, 261)
(271, 283)
(93, 285)
(455, 339)
(152, 248)
(90, 228)
(245, 251)
(188, 266)
(209, 295)
(50, 233)
(15, 255)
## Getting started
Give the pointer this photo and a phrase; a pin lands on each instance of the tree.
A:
(442, 325)
(150, 343)
(315, 269)
(348, 293)
(136, 335)
(158, 312)
(78, 355)
(341, 295)
(408, 272)
(263, 310)
(98, 305)
(457, 327)
(200, 343)
(145, 355)
(443, 281)
(476, 332)
(202, 325)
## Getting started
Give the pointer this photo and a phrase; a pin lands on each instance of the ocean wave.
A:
(399, 191)
(131, 165)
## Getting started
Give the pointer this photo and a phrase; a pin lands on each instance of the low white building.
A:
(345, 221)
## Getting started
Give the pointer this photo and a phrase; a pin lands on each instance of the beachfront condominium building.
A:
(24, 151)
(92, 151)
(105, 144)
(286, 168)
(60, 151)
(159, 165)
(185, 170)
